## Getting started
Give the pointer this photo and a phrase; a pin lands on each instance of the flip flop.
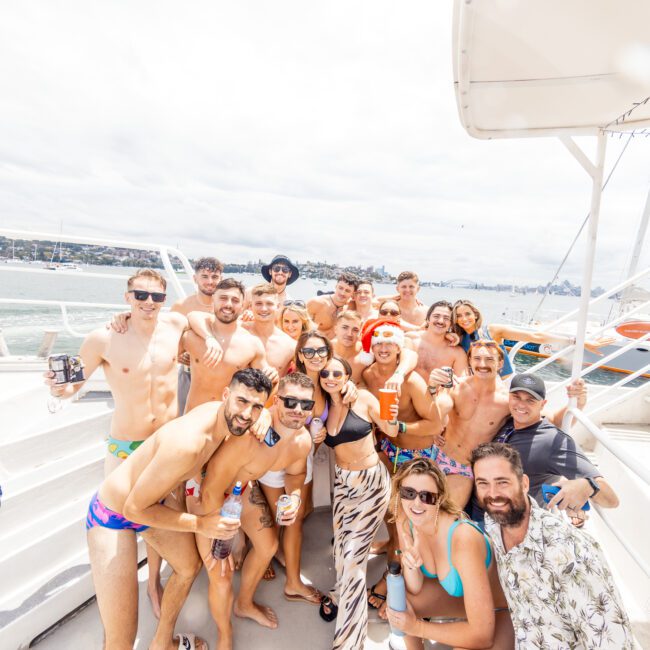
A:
(315, 599)
(187, 641)
(373, 594)
(269, 574)
(334, 609)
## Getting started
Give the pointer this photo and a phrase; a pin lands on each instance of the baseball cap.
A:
(531, 384)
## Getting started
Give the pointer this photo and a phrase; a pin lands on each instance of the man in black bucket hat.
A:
(280, 273)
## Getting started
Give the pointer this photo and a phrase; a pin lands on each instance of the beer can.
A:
(450, 372)
(283, 505)
(58, 364)
(315, 427)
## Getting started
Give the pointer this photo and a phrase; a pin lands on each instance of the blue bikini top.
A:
(452, 582)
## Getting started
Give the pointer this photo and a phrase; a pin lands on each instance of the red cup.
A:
(386, 399)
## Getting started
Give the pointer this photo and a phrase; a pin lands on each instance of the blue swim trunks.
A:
(448, 465)
(100, 515)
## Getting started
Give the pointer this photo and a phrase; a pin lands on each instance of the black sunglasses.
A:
(292, 402)
(297, 303)
(337, 374)
(389, 312)
(272, 437)
(309, 353)
(140, 295)
(429, 498)
(280, 268)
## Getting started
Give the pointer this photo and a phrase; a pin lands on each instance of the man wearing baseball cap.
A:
(550, 455)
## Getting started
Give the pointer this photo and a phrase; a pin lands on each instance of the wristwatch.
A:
(594, 486)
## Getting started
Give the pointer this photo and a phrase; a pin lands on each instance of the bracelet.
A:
(401, 426)
(433, 390)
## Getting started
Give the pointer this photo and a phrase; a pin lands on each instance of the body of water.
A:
(23, 326)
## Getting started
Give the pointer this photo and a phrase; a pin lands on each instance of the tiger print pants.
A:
(360, 502)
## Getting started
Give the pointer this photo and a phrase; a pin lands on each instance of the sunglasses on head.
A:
(387, 334)
(296, 303)
(309, 353)
(280, 268)
(428, 498)
(389, 312)
(337, 374)
(483, 344)
(292, 402)
(140, 295)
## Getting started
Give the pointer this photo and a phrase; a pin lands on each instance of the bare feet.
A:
(379, 548)
(155, 593)
(261, 614)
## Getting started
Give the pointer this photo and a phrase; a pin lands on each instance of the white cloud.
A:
(324, 130)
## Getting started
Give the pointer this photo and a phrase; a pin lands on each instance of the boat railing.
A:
(165, 252)
(631, 463)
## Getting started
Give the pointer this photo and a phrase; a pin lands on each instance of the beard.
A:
(511, 515)
(235, 429)
(289, 423)
(208, 292)
(226, 319)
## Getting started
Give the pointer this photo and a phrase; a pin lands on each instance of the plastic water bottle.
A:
(231, 509)
(396, 592)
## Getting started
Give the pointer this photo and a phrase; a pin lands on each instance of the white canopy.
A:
(552, 67)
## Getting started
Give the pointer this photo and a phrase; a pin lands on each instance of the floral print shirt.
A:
(559, 588)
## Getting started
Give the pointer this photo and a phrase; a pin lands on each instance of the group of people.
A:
(242, 385)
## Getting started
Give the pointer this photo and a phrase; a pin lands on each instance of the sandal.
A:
(373, 594)
(269, 574)
(334, 609)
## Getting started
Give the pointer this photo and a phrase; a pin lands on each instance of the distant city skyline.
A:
(321, 131)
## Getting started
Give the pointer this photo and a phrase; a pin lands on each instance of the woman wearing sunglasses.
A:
(390, 308)
(468, 324)
(361, 495)
(447, 565)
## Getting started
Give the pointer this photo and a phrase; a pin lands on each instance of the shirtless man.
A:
(207, 275)
(134, 499)
(222, 333)
(244, 459)
(280, 273)
(363, 300)
(280, 347)
(324, 309)
(433, 348)
(140, 368)
(413, 311)
(418, 418)
(347, 342)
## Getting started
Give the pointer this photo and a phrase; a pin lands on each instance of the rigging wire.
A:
(575, 239)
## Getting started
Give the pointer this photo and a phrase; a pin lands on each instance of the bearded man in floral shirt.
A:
(559, 588)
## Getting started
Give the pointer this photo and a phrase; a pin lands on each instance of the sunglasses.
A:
(297, 303)
(426, 497)
(387, 334)
(481, 343)
(309, 353)
(140, 295)
(292, 402)
(389, 312)
(280, 268)
(337, 374)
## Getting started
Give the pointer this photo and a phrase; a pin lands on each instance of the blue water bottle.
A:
(396, 591)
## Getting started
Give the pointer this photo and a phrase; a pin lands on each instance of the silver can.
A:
(315, 427)
(450, 372)
(283, 505)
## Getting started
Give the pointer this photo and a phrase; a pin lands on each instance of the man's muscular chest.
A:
(132, 356)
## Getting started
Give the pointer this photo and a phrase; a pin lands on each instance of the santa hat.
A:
(379, 330)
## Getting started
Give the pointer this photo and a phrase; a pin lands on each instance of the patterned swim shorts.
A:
(448, 465)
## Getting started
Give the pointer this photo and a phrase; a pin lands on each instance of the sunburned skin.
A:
(324, 309)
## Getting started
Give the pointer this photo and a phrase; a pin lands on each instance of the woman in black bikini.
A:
(361, 495)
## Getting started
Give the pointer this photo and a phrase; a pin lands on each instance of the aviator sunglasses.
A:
(309, 353)
(140, 295)
(389, 312)
(296, 303)
(292, 402)
(426, 497)
(280, 268)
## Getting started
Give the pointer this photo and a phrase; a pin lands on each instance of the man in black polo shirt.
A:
(548, 454)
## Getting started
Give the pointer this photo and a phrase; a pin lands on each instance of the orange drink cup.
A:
(386, 399)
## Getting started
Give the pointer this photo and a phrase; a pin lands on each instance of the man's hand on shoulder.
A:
(120, 322)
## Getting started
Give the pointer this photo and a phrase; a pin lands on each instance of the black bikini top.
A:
(354, 428)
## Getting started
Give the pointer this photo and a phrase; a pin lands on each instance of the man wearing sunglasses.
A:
(221, 333)
(140, 366)
(324, 309)
(279, 347)
(432, 345)
(280, 273)
(244, 459)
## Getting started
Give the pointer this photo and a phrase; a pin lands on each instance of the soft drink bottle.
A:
(231, 509)
(396, 591)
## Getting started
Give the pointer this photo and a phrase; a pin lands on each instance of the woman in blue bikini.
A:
(447, 565)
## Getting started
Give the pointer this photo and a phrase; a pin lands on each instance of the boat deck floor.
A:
(299, 624)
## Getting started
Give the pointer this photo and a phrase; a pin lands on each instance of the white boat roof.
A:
(551, 67)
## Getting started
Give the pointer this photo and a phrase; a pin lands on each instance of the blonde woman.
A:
(447, 565)
(294, 319)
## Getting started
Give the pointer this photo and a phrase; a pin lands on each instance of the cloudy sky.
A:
(325, 130)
